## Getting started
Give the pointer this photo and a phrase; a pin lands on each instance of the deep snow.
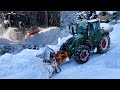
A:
(25, 65)
(46, 36)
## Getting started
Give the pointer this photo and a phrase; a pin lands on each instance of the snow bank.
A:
(13, 34)
(2, 30)
(45, 37)
(106, 27)
(24, 65)
(64, 32)
(113, 61)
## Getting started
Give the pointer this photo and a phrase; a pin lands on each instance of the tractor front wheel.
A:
(82, 54)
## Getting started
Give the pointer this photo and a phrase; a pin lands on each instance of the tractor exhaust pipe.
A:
(73, 33)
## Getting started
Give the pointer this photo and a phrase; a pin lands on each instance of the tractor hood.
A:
(71, 40)
(78, 36)
(71, 43)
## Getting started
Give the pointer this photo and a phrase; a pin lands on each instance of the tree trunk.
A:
(46, 18)
(54, 18)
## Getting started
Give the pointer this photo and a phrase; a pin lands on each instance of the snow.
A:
(27, 64)
(13, 35)
(23, 65)
(106, 27)
(67, 17)
(97, 12)
(46, 36)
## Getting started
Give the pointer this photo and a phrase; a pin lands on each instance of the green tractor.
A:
(87, 38)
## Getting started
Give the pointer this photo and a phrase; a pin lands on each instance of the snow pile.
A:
(2, 30)
(106, 27)
(64, 32)
(47, 36)
(44, 37)
(27, 64)
(13, 34)
(10, 35)
(24, 65)
(4, 41)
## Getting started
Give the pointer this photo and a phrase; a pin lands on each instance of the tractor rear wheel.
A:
(104, 44)
(81, 54)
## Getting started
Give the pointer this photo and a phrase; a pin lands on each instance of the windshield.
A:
(83, 24)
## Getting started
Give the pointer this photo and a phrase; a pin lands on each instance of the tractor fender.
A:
(101, 34)
(72, 43)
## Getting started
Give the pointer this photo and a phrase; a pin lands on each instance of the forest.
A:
(38, 18)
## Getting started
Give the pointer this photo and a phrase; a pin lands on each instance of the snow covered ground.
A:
(25, 65)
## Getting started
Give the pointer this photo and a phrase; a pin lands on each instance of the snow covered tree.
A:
(67, 17)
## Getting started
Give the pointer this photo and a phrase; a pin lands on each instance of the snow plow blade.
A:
(52, 59)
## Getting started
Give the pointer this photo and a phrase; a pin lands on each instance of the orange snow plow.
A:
(33, 31)
(61, 56)
(52, 59)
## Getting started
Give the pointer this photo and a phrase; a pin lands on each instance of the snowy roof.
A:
(92, 20)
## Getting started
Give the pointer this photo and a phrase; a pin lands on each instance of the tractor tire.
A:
(81, 54)
(104, 44)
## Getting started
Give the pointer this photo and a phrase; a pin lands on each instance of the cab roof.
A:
(93, 20)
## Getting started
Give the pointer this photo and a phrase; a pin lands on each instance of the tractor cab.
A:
(93, 27)
(88, 27)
